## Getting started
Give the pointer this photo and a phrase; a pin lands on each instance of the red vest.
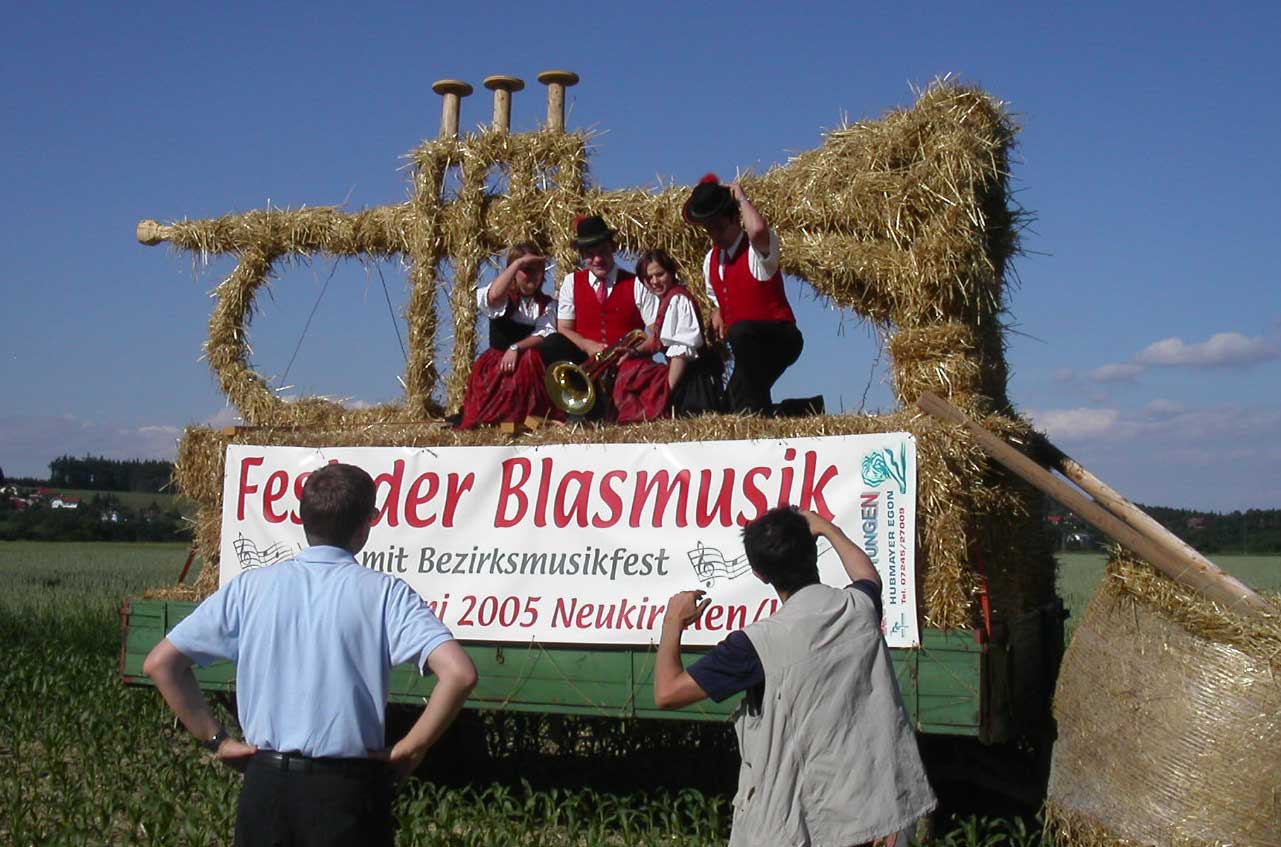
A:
(743, 297)
(609, 321)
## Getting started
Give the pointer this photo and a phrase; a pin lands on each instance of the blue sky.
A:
(1146, 331)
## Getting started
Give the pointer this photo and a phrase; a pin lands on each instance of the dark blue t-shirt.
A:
(733, 666)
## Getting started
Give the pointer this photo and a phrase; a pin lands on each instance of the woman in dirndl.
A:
(690, 382)
(506, 382)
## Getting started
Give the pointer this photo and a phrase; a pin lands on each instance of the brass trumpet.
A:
(572, 387)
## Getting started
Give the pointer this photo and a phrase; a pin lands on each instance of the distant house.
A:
(60, 502)
(1196, 522)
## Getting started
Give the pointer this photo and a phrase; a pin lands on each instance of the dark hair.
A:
(522, 248)
(781, 548)
(658, 256)
(337, 503)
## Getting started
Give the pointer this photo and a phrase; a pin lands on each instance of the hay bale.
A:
(1169, 716)
(907, 220)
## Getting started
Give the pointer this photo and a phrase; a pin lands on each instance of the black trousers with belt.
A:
(292, 801)
(762, 351)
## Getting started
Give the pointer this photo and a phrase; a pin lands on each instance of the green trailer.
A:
(991, 688)
(908, 221)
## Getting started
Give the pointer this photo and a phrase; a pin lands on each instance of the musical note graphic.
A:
(710, 564)
(250, 556)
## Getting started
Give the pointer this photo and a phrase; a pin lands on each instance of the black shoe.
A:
(799, 407)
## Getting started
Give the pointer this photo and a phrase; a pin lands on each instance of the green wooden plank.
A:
(942, 681)
(949, 687)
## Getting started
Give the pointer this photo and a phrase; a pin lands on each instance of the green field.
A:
(84, 760)
(1079, 575)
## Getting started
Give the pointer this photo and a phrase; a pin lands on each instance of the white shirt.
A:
(645, 299)
(763, 268)
(526, 312)
(679, 333)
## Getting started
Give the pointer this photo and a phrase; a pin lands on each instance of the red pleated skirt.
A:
(494, 397)
(641, 392)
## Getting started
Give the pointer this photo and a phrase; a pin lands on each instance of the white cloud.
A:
(1076, 424)
(1064, 375)
(1118, 372)
(226, 416)
(1224, 348)
(1221, 458)
(28, 443)
(1161, 408)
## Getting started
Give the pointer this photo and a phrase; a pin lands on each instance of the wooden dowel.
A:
(503, 87)
(1227, 592)
(451, 91)
(557, 82)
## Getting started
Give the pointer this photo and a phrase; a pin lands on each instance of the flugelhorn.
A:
(572, 387)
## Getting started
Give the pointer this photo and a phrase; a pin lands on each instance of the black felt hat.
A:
(590, 231)
(708, 199)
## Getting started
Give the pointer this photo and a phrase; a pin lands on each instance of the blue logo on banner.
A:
(882, 465)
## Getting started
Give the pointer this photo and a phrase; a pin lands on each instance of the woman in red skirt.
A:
(507, 380)
(690, 382)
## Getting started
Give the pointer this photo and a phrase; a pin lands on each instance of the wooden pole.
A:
(503, 86)
(1211, 582)
(557, 82)
(451, 91)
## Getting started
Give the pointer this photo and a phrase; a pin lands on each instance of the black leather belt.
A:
(298, 763)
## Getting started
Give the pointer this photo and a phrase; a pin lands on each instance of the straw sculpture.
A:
(906, 220)
(1169, 720)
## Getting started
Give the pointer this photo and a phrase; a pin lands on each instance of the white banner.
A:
(583, 544)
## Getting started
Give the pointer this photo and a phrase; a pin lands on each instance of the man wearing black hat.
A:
(599, 303)
(745, 285)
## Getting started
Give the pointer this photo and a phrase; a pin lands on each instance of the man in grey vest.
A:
(829, 755)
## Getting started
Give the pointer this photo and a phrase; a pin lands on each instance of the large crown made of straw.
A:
(906, 220)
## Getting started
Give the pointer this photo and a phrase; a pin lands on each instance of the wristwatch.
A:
(214, 743)
(513, 348)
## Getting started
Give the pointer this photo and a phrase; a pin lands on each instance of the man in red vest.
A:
(746, 288)
(600, 302)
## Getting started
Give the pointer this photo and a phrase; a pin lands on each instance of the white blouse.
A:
(526, 311)
(679, 333)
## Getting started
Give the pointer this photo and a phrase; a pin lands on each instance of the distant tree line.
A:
(94, 473)
(100, 518)
(1253, 531)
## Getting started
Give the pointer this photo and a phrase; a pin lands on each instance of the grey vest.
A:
(831, 758)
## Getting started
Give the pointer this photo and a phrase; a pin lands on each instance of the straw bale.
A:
(1169, 716)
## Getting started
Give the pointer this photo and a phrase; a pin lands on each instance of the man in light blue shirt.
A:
(314, 640)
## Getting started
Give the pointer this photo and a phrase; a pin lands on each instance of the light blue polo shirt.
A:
(314, 640)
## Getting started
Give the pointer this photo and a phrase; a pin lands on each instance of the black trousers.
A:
(317, 808)
(762, 351)
(558, 348)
